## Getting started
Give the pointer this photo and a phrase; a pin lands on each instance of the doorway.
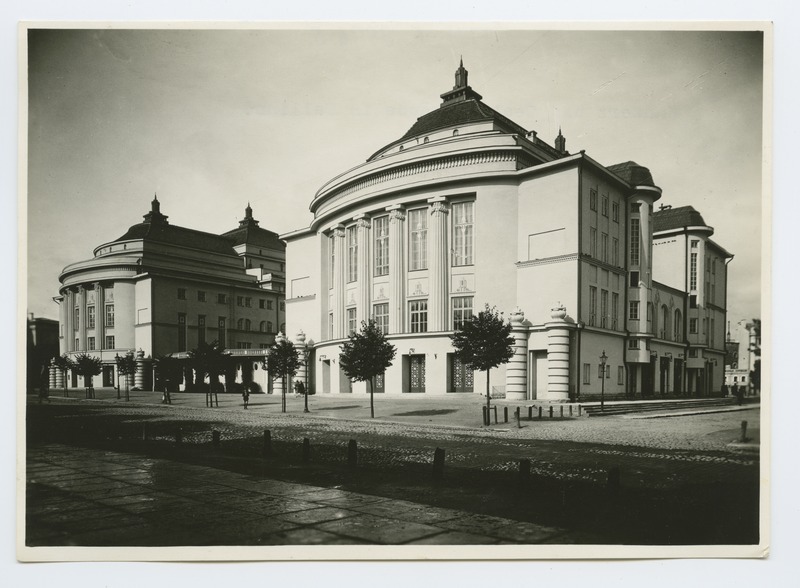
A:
(416, 374)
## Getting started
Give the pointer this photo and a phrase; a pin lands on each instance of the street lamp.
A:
(117, 358)
(306, 352)
(603, 359)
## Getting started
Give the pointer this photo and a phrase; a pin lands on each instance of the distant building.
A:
(163, 289)
(469, 208)
(42, 346)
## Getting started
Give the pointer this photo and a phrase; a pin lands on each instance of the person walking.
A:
(246, 395)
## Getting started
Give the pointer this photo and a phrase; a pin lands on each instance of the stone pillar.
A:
(82, 318)
(438, 254)
(69, 317)
(363, 310)
(397, 272)
(340, 256)
(557, 356)
(51, 375)
(300, 345)
(99, 316)
(517, 369)
(278, 386)
(143, 371)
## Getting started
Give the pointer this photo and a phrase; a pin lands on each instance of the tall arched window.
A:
(263, 327)
(269, 326)
(240, 324)
(678, 330)
(246, 324)
(664, 318)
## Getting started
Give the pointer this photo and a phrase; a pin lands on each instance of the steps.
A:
(617, 408)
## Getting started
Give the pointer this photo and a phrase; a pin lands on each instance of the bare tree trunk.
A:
(488, 396)
(371, 404)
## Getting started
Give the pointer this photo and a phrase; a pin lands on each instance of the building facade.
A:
(469, 208)
(162, 290)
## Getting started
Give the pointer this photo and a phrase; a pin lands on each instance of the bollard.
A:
(530, 413)
(495, 414)
(179, 435)
(486, 416)
(267, 448)
(505, 414)
(744, 431)
(561, 411)
(144, 431)
(438, 463)
(551, 412)
(613, 482)
(215, 439)
(352, 454)
(306, 450)
(579, 410)
(570, 410)
(540, 413)
(524, 472)
(516, 413)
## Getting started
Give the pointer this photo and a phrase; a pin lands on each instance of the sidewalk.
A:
(93, 497)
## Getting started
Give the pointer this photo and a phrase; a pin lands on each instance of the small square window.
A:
(201, 296)
(222, 299)
(181, 293)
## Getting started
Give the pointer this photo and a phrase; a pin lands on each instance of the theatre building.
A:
(161, 289)
(469, 208)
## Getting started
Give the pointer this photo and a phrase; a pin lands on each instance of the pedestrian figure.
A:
(246, 395)
(740, 395)
(724, 390)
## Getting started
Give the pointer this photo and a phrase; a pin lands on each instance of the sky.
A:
(212, 120)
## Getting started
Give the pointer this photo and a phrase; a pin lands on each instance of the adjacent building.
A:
(469, 208)
(161, 289)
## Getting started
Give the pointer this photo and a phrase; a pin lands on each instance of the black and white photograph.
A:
(410, 291)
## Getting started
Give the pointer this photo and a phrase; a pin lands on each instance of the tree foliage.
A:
(169, 373)
(87, 366)
(484, 342)
(282, 361)
(126, 364)
(209, 359)
(64, 363)
(366, 355)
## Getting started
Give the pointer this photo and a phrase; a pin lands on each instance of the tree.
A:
(209, 359)
(169, 373)
(64, 363)
(366, 355)
(88, 366)
(126, 366)
(282, 360)
(484, 342)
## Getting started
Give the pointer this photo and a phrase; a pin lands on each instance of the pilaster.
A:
(364, 274)
(340, 255)
(397, 225)
(438, 266)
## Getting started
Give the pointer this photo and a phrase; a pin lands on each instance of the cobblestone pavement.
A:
(94, 497)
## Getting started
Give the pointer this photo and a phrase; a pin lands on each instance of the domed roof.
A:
(633, 173)
(676, 218)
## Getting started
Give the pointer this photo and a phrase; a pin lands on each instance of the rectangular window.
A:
(221, 331)
(90, 317)
(90, 343)
(693, 326)
(201, 329)
(382, 317)
(352, 254)
(593, 199)
(620, 375)
(593, 241)
(262, 303)
(604, 206)
(604, 247)
(592, 306)
(352, 325)
(330, 325)
(634, 241)
(109, 315)
(181, 331)
(462, 233)
(418, 239)
(181, 293)
(110, 344)
(633, 344)
(419, 316)
(462, 311)
(615, 211)
(248, 302)
(380, 227)
(76, 319)
(269, 304)
(331, 259)
(615, 252)
(693, 271)
(614, 310)
(633, 310)
(222, 299)
(201, 296)
(240, 301)
(587, 373)
(604, 308)
(77, 345)
(692, 300)
(282, 306)
(693, 353)
(711, 332)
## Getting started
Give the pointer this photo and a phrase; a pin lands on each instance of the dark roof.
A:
(162, 232)
(254, 235)
(677, 218)
(633, 173)
(459, 113)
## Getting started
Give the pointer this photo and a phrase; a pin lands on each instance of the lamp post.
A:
(305, 389)
(603, 359)
(117, 358)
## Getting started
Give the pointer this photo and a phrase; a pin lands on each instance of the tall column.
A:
(438, 254)
(557, 356)
(82, 318)
(340, 255)
(363, 310)
(517, 369)
(52, 382)
(143, 371)
(397, 270)
(69, 313)
(302, 371)
(278, 385)
(99, 315)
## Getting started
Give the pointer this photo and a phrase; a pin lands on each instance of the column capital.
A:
(397, 215)
(338, 231)
(439, 207)
(363, 222)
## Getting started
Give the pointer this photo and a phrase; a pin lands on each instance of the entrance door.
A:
(461, 378)
(380, 383)
(108, 376)
(663, 380)
(538, 375)
(326, 376)
(416, 376)
(677, 376)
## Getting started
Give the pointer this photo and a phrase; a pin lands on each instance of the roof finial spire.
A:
(461, 61)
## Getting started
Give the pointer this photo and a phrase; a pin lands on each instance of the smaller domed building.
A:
(161, 290)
